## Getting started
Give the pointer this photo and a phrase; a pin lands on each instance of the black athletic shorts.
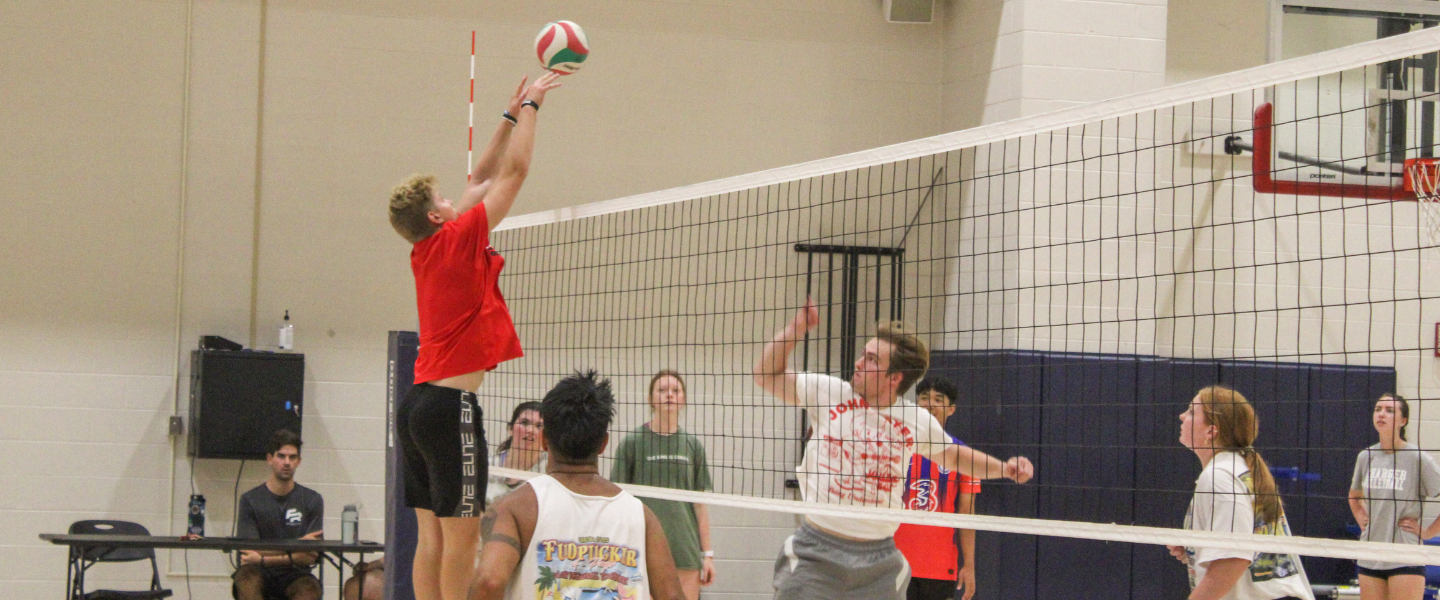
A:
(930, 589)
(1388, 573)
(277, 580)
(443, 445)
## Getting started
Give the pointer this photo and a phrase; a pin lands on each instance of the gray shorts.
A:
(815, 565)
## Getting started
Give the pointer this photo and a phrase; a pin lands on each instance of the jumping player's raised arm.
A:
(490, 155)
(772, 372)
(499, 191)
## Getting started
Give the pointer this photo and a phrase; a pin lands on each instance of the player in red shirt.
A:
(931, 550)
(465, 331)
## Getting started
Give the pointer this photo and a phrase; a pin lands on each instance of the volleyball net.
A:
(1079, 275)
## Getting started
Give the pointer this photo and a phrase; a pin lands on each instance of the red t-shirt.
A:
(464, 324)
(932, 551)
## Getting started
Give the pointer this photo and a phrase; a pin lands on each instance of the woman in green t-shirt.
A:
(660, 454)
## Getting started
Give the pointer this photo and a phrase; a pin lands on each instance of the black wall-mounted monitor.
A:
(239, 399)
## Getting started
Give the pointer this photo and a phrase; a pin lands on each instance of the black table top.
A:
(216, 543)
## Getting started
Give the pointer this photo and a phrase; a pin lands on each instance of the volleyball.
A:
(562, 47)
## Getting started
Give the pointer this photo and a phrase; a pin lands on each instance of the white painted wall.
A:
(1018, 58)
(1210, 37)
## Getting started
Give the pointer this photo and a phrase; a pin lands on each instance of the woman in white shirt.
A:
(1235, 493)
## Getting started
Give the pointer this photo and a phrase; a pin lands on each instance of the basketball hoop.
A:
(1422, 176)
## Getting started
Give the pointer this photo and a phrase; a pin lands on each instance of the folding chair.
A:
(81, 559)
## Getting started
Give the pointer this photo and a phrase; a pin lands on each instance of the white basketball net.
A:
(1425, 178)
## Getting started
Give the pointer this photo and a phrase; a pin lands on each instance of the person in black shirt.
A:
(279, 509)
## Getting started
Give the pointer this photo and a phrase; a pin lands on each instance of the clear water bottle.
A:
(350, 525)
(197, 515)
(287, 333)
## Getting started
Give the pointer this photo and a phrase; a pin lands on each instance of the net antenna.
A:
(470, 133)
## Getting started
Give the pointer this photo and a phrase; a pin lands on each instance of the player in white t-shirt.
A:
(864, 436)
(1235, 493)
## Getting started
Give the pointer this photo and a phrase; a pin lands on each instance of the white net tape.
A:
(1304, 546)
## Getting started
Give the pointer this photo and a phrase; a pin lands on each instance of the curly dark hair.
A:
(577, 414)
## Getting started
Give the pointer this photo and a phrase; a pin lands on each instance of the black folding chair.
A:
(81, 559)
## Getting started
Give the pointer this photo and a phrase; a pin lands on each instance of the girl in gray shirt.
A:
(1392, 479)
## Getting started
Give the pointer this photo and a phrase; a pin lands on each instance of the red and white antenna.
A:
(470, 144)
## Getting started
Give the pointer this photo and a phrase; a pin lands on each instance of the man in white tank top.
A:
(864, 436)
(595, 539)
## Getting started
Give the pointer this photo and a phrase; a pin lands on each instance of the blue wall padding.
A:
(400, 524)
(1341, 400)
(1165, 471)
(1103, 431)
(1280, 394)
(999, 412)
(1088, 458)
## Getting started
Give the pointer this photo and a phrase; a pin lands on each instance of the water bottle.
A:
(349, 525)
(287, 333)
(197, 515)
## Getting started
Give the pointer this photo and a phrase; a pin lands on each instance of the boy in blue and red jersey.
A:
(934, 556)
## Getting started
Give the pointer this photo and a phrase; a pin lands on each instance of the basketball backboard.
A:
(1357, 127)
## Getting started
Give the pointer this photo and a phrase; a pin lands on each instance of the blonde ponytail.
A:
(1236, 429)
(1267, 496)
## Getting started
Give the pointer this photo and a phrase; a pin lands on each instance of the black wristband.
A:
(509, 117)
(531, 103)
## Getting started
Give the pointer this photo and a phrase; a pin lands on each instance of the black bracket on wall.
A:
(849, 277)
(849, 280)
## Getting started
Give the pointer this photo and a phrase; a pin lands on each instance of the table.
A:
(332, 552)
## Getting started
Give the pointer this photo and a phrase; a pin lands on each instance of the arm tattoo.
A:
(488, 535)
(501, 538)
(487, 523)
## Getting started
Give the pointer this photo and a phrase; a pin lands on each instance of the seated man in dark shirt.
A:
(279, 509)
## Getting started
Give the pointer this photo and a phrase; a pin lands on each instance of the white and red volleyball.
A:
(562, 47)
